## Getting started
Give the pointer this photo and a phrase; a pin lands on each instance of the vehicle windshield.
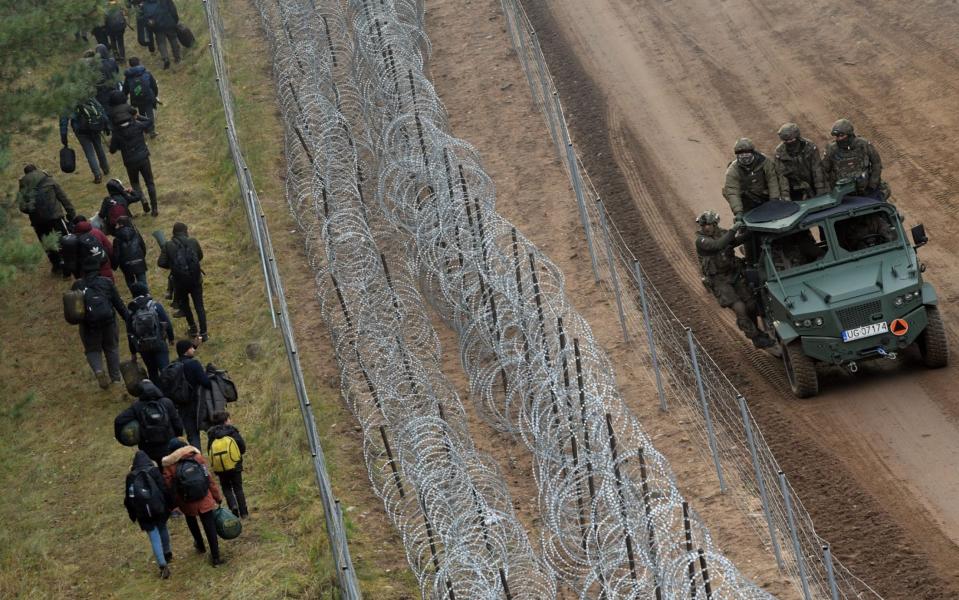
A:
(798, 248)
(865, 231)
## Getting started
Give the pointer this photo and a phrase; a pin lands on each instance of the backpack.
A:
(146, 497)
(98, 308)
(186, 264)
(74, 307)
(146, 329)
(224, 454)
(220, 378)
(154, 422)
(141, 93)
(90, 252)
(191, 480)
(174, 384)
(129, 252)
(115, 210)
(69, 253)
(89, 117)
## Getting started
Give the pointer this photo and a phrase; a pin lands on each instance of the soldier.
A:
(852, 157)
(751, 179)
(723, 274)
(797, 159)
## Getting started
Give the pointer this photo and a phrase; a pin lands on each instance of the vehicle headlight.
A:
(807, 323)
(899, 300)
(818, 321)
(907, 297)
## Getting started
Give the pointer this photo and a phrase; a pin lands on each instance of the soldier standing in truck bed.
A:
(797, 159)
(853, 157)
(752, 179)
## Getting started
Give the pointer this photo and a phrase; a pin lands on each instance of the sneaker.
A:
(205, 337)
(763, 341)
(97, 178)
(165, 572)
(216, 560)
(154, 212)
(146, 208)
(103, 379)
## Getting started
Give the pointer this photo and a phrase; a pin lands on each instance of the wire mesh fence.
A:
(685, 376)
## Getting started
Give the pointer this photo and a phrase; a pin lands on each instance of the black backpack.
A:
(89, 117)
(192, 480)
(174, 384)
(186, 264)
(146, 328)
(128, 251)
(141, 93)
(90, 252)
(154, 422)
(146, 497)
(97, 306)
(69, 253)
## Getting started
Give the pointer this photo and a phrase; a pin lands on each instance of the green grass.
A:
(63, 530)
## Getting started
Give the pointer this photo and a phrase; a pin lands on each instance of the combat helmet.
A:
(789, 131)
(842, 127)
(709, 217)
(744, 145)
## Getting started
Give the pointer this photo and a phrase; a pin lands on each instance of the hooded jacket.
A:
(128, 139)
(219, 431)
(106, 269)
(196, 507)
(41, 197)
(141, 461)
(149, 90)
(109, 70)
(73, 120)
(161, 15)
(129, 251)
(118, 110)
(168, 254)
(165, 324)
(150, 392)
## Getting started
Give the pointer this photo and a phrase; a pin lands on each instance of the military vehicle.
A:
(839, 284)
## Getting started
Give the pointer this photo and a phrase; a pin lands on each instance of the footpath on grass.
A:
(64, 531)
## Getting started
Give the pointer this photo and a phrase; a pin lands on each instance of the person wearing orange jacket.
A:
(195, 493)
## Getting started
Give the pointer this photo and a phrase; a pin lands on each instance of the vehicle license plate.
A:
(851, 335)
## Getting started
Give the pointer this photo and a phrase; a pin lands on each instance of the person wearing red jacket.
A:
(202, 508)
(82, 226)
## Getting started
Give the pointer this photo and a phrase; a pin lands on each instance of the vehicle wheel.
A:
(800, 370)
(933, 344)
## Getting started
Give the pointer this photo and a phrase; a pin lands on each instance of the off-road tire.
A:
(933, 344)
(800, 371)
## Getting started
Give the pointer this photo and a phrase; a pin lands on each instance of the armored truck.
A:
(839, 283)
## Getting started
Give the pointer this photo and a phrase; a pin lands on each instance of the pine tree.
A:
(40, 77)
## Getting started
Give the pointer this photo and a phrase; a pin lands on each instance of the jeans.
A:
(231, 482)
(134, 171)
(92, 145)
(183, 297)
(162, 37)
(132, 278)
(102, 338)
(155, 362)
(209, 528)
(160, 541)
(46, 228)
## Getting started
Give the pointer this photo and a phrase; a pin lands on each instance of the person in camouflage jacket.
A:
(797, 160)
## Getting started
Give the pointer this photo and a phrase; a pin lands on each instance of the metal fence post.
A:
(797, 549)
(830, 573)
(705, 405)
(581, 201)
(760, 481)
(650, 340)
(614, 276)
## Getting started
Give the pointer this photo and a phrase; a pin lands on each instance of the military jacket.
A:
(748, 187)
(860, 162)
(802, 171)
(716, 253)
(41, 198)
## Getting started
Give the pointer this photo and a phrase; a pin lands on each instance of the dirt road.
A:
(658, 91)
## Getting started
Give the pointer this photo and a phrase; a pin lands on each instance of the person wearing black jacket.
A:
(128, 139)
(141, 88)
(158, 356)
(129, 254)
(109, 71)
(195, 376)
(98, 330)
(118, 111)
(162, 18)
(152, 515)
(149, 392)
(231, 482)
(183, 255)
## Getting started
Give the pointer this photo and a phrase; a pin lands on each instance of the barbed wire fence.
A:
(332, 511)
(686, 378)
(614, 522)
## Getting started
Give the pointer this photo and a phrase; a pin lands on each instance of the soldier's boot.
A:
(747, 324)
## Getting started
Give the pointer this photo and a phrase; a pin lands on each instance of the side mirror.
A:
(919, 237)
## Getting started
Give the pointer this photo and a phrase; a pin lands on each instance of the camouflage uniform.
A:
(748, 187)
(854, 158)
(802, 169)
(723, 274)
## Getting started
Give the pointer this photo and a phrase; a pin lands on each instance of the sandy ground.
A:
(657, 92)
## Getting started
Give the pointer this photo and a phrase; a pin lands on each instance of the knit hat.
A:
(183, 345)
(179, 228)
(139, 288)
(175, 444)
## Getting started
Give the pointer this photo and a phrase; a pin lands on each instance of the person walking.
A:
(128, 139)
(88, 119)
(149, 501)
(225, 447)
(182, 256)
(143, 92)
(114, 206)
(44, 201)
(98, 330)
(129, 253)
(96, 248)
(150, 330)
(181, 380)
(108, 73)
(118, 110)
(162, 18)
(195, 493)
(157, 417)
(115, 21)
